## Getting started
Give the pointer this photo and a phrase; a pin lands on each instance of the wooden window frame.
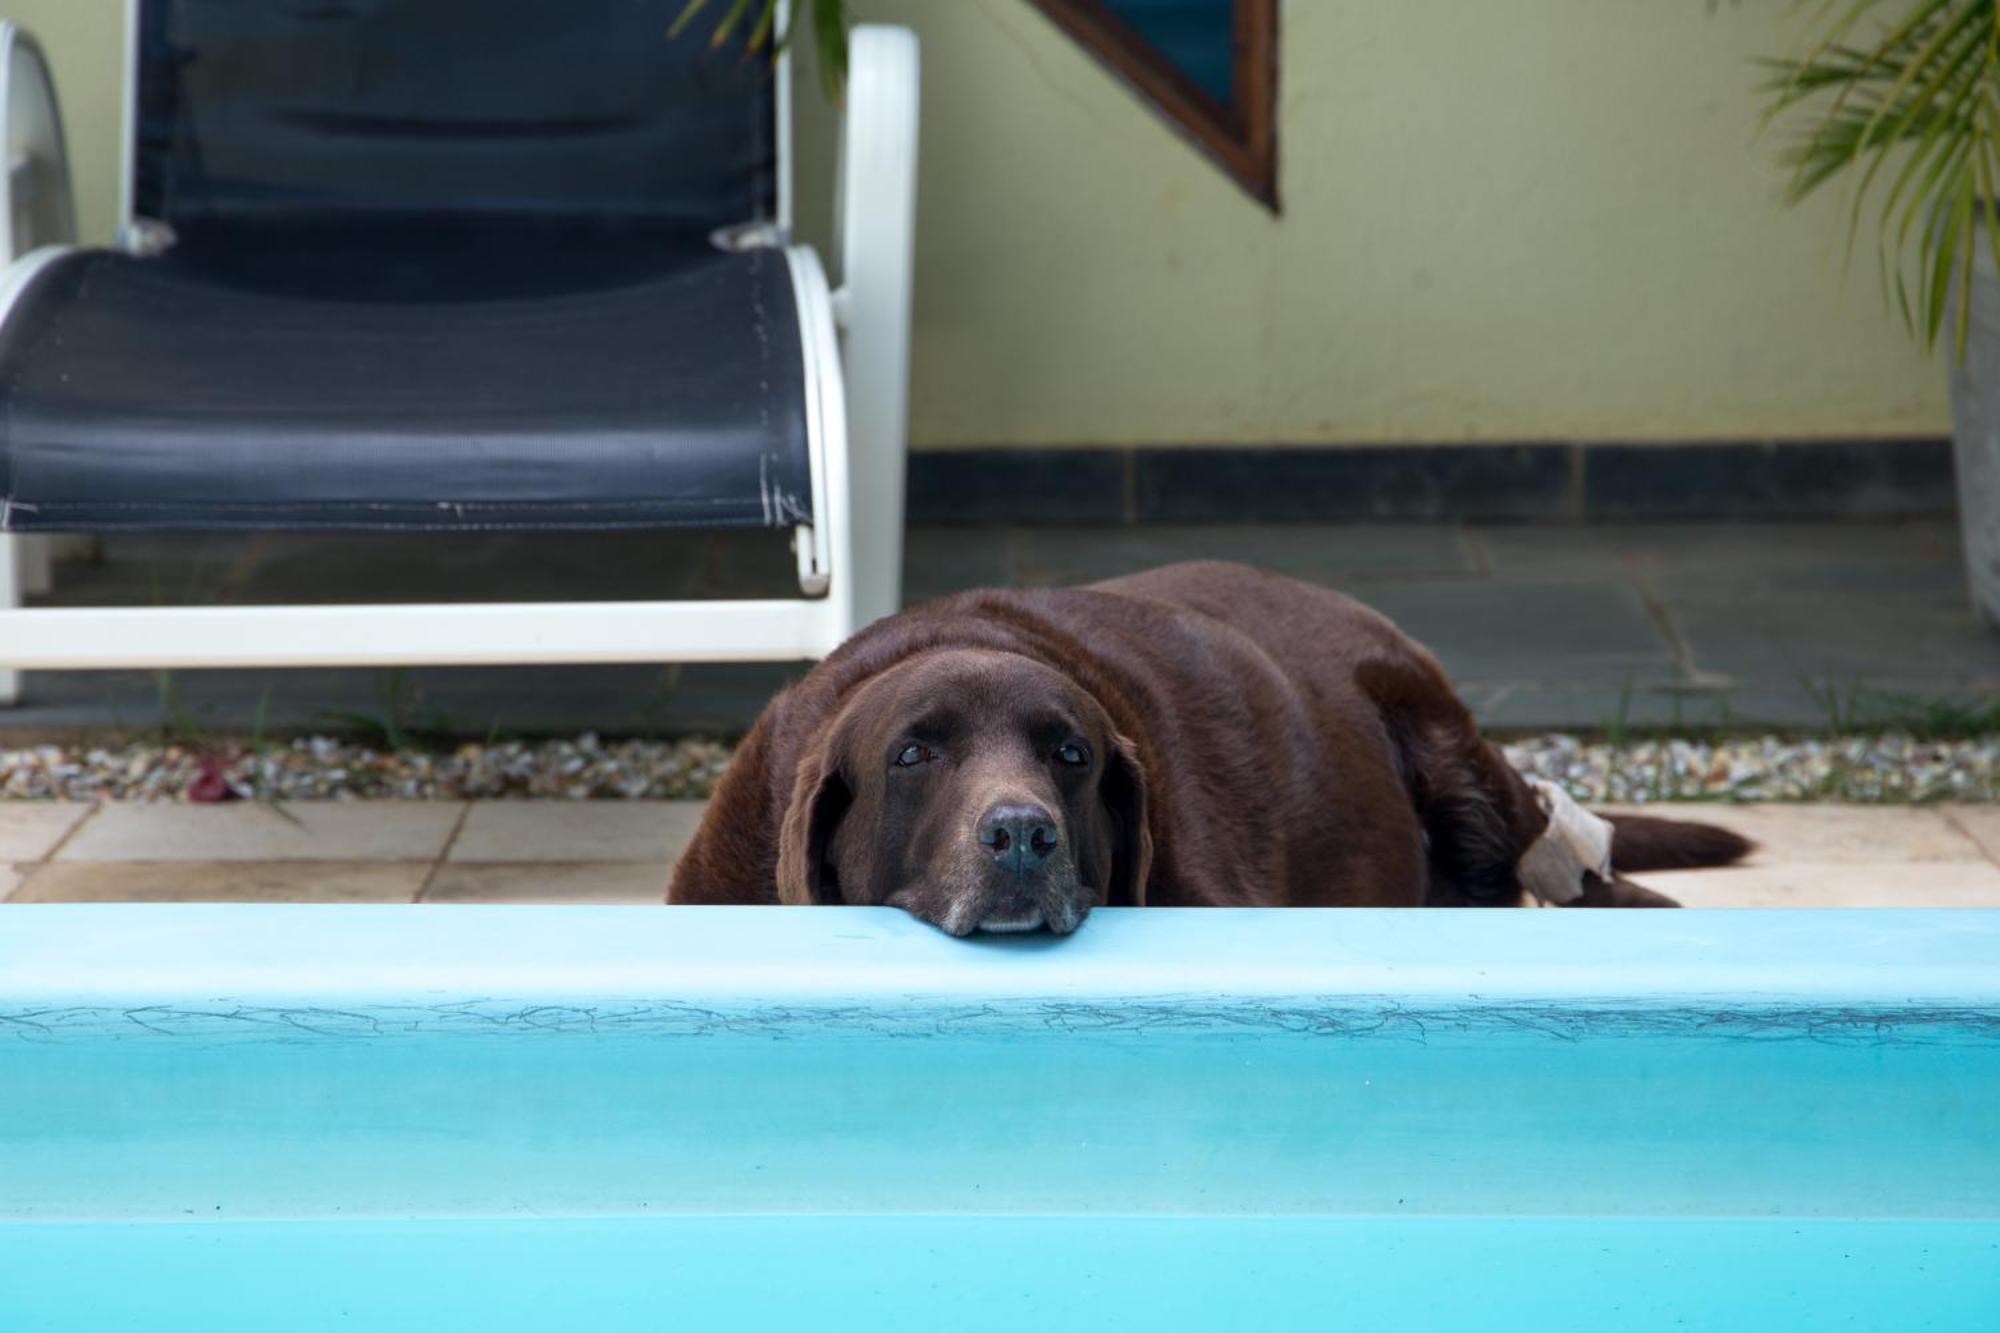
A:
(1241, 139)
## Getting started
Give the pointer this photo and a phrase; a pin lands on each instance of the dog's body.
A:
(1233, 738)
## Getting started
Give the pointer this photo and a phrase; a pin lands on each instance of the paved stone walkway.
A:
(621, 852)
(1542, 625)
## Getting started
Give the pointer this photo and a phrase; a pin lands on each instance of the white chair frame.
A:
(856, 344)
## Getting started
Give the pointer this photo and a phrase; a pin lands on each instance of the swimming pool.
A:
(615, 1118)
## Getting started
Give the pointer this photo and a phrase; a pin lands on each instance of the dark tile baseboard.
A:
(1754, 479)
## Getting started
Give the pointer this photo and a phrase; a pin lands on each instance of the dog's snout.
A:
(1019, 837)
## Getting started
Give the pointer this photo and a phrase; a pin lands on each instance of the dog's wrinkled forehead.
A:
(967, 690)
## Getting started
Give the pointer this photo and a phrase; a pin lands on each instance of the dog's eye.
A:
(1072, 754)
(913, 755)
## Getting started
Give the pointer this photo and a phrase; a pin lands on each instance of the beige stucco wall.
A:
(84, 41)
(1538, 219)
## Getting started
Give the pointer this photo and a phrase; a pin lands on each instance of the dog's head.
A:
(977, 790)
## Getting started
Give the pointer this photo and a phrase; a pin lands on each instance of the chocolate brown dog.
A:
(1198, 735)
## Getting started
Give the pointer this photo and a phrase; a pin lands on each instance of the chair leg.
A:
(13, 559)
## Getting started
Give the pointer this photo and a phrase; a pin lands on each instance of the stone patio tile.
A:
(244, 831)
(1322, 553)
(466, 566)
(513, 831)
(1588, 551)
(1601, 632)
(10, 880)
(1764, 607)
(754, 563)
(1763, 554)
(1981, 823)
(472, 702)
(1644, 699)
(1869, 836)
(1806, 702)
(938, 561)
(1836, 639)
(147, 568)
(222, 882)
(1834, 884)
(1940, 583)
(712, 698)
(550, 882)
(30, 830)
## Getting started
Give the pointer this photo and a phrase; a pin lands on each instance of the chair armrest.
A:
(876, 214)
(878, 161)
(35, 205)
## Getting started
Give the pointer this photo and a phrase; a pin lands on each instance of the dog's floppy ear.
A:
(1124, 789)
(820, 796)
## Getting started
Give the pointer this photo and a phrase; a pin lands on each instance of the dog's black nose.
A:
(1019, 837)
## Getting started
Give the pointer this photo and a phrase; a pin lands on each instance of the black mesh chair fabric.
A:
(143, 394)
(416, 107)
(439, 264)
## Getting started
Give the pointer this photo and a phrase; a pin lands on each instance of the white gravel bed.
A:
(1891, 767)
(320, 768)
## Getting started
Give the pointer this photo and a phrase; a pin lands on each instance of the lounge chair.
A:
(453, 265)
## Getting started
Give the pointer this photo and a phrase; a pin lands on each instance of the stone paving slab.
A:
(515, 831)
(1319, 553)
(1649, 699)
(222, 882)
(617, 882)
(246, 831)
(29, 830)
(1741, 555)
(1838, 638)
(1834, 884)
(1981, 823)
(468, 702)
(938, 561)
(1541, 625)
(1853, 835)
(616, 852)
(1484, 631)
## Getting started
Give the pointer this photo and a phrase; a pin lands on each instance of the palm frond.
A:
(829, 25)
(1911, 115)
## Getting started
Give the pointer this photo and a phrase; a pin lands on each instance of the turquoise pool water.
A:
(385, 1118)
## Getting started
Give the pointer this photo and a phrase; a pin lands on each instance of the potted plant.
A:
(1901, 99)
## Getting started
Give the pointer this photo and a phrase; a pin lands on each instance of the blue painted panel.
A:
(1197, 37)
(1000, 1275)
(772, 957)
(586, 1116)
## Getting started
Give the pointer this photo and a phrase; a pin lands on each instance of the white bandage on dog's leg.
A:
(1575, 844)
